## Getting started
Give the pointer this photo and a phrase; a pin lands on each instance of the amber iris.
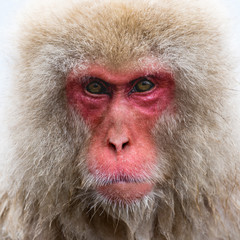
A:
(143, 86)
(96, 88)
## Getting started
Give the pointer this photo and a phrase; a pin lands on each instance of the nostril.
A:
(112, 146)
(125, 144)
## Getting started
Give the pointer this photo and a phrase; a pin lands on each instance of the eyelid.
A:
(89, 79)
(147, 77)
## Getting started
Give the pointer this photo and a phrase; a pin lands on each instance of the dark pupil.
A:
(95, 88)
(143, 86)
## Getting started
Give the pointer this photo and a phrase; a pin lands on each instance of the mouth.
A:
(123, 190)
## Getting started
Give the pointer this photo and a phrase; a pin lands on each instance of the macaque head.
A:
(118, 103)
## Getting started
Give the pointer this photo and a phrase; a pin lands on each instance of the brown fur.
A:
(46, 190)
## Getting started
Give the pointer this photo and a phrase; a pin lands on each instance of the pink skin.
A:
(122, 151)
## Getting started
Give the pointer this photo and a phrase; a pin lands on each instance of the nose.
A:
(119, 143)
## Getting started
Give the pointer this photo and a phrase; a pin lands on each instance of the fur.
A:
(46, 190)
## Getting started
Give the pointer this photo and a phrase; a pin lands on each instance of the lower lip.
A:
(125, 191)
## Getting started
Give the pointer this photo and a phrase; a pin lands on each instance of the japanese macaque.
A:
(120, 124)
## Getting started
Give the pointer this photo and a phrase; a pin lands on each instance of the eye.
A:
(96, 87)
(143, 85)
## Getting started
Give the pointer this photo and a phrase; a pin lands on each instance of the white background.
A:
(9, 9)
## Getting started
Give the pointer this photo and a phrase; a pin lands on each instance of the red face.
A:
(121, 109)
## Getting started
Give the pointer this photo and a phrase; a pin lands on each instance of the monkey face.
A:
(121, 109)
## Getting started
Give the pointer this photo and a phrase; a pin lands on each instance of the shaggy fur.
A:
(46, 191)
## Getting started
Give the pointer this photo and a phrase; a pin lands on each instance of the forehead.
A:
(146, 67)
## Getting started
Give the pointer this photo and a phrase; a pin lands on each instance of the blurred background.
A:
(10, 8)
